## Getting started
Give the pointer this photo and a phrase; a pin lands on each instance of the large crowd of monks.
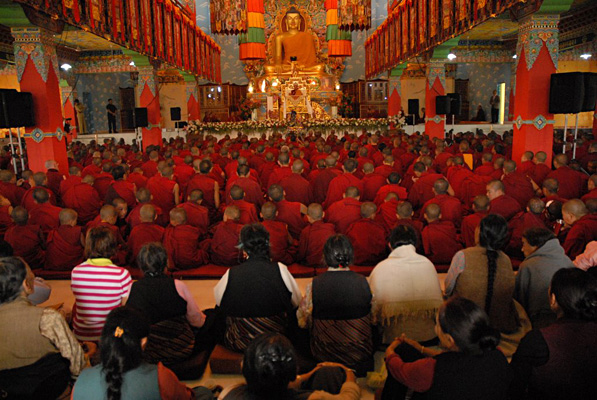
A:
(195, 197)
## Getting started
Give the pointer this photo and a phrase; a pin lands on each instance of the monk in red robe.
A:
(122, 210)
(526, 163)
(248, 212)
(37, 180)
(26, 240)
(282, 171)
(422, 189)
(197, 215)
(55, 178)
(65, 244)
(9, 188)
(146, 232)
(319, 185)
(404, 215)
(486, 168)
(103, 180)
(208, 186)
(517, 184)
(500, 202)
(339, 184)
(143, 196)
(95, 168)
(250, 187)
(439, 237)
(571, 181)
(164, 190)
(316, 171)
(583, 227)
(346, 211)
(368, 237)
(450, 206)
(386, 214)
(592, 186)
(313, 238)
(5, 219)
(541, 170)
(107, 218)
(44, 214)
(295, 186)
(184, 172)
(289, 212)
(150, 167)
(471, 222)
(223, 247)
(136, 178)
(282, 248)
(84, 199)
(71, 180)
(122, 188)
(550, 190)
(522, 221)
(456, 175)
(392, 186)
(266, 169)
(182, 242)
(372, 182)
(498, 165)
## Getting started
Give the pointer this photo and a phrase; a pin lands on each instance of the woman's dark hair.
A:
(118, 172)
(254, 240)
(576, 293)
(6, 249)
(338, 252)
(537, 236)
(152, 259)
(269, 365)
(100, 243)
(493, 234)
(120, 346)
(12, 274)
(402, 235)
(554, 210)
(468, 325)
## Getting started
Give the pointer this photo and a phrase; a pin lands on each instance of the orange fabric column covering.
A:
(37, 71)
(192, 100)
(435, 86)
(149, 97)
(395, 98)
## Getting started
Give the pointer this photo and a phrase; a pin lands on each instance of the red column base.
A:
(48, 149)
(151, 137)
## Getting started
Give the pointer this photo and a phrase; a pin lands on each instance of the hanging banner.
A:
(148, 43)
(158, 26)
(133, 19)
(412, 18)
(71, 6)
(228, 16)
(354, 14)
(422, 23)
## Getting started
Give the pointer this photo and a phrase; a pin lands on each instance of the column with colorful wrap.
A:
(149, 97)
(339, 41)
(435, 86)
(252, 43)
(395, 90)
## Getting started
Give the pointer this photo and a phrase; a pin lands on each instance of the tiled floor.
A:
(203, 294)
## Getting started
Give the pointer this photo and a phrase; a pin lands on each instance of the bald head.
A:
(441, 186)
(147, 213)
(276, 193)
(143, 195)
(41, 195)
(495, 189)
(298, 166)
(432, 212)
(550, 186)
(527, 156)
(404, 210)
(39, 179)
(368, 168)
(19, 215)
(108, 214)
(509, 166)
(68, 216)
(315, 211)
(540, 157)
(481, 203)
(536, 206)
(236, 192)
(167, 171)
(368, 209)
(575, 207)
(232, 213)
(560, 160)
(88, 179)
(196, 196)
(352, 192)
(268, 211)
(178, 216)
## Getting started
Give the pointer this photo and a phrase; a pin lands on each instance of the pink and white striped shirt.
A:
(99, 287)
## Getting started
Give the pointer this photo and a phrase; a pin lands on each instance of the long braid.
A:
(113, 369)
(492, 257)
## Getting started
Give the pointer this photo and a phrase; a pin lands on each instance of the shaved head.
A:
(481, 203)
(19, 215)
(575, 207)
(147, 213)
(433, 211)
(561, 160)
(195, 195)
(236, 192)
(232, 213)
(541, 156)
(441, 186)
(368, 209)
(404, 209)
(536, 206)
(268, 211)
(352, 192)
(143, 195)
(108, 212)
(67, 216)
(178, 216)
(315, 211)
(509, 166)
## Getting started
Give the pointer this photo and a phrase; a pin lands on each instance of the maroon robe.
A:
(371, 185)
(539, 173)
(27, 242)
(280, 249)
(46, 216)
(486, 169)
(123, 189)
(296, 188)
(571, 182)
(28, 201)
(319, 185)
(92, 170)
(505, 205)
(343, 213)
(150, 168)
(248, 212)
(517, 225)
(422, 189)
(85, 200)
(162, 190)
(222, 247)
(68, 183)
(206, 185)
(526, 168)
(439, 242)
(289, 212)
(252, 189)
(278, 174)
(387, 189)
(137, 179)
(450, 207)
(184, 173)
(472, 187)
(134, 217)
(368, 240)
(456, 176)
(197, 216)
(385, 170)
(338, 187)
(265, 170)
(469, 224)
(102, 183)
(182, 244)
(519, 187)
(386, 214)
(55, 178)
(12, 192)
(582, 232)
(145, 232)
(5, 220)
(312, 240)
(64, 248)
(591, 195)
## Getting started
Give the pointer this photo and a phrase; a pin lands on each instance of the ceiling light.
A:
(515, 56)
(585, 56)
(132, 63)
(451, 56)
(66, 67)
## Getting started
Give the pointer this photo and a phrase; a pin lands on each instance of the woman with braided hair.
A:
(484, 275)
(337, 308)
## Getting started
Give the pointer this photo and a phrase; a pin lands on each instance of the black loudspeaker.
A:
(455, 103)
(180, 124)
(566, 93)
(175, 113)
(413, 107)
(590, 98)
(442, 105)
(140, 115)
(409, 119)
(16, 109)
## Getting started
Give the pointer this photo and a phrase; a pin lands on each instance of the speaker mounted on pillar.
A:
(566, 93)
(455, 103)
(442, 105)
(590, 98)
(16, 109)
(175, 114)
(140, 117)
(413, 107)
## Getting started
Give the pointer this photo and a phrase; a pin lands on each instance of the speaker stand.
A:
(12, 149)
(565, 130)
(21, 149)
(139, 137)
(575, 136)
(453, 122)
(413, 125)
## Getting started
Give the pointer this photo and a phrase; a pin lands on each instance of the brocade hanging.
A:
(228, 16)
(354, 14)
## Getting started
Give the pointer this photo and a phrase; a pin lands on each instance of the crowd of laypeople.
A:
(396, 206)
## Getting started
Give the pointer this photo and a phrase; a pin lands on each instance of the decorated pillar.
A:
(339, 41)
(37, 72)
(395, 90)
(192, 92)
(148, 97)
(68, 108)
(537, 59)
(435, 86)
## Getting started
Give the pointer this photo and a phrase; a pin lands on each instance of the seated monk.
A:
(346, 211)
(500, 202)
(368, 237)
(108, 216)
(517, 184)
(532, 218)
(150, 167)
(44, 214)
(296, 187)
(55, 177)
(143, 196)
(450, 206)
(122, 188)
(386, 213)
(282, 248)
(208, 186)
(197, 215)
(282, 170)
(550, 190)
(84, 199)
(136, 178)
(313, 237)
(164, 190)
(94, 168)
(9, 188)
(404, 216)
(592, 187)
(422, 189)
(372, 182)
(471, 222)
(145, 232)
(248, 212)
(65, 245)
(38, 179)
(439, 237)
(541, 170)
(289, 212)
(182, 242)
(222, 247)
(26, 240)
(122, 211)
(5, 211)
(486, 168)
(583, 227)
(250, 187)
(104, 180)
(339, 184)
(73, 178)
(571, 181)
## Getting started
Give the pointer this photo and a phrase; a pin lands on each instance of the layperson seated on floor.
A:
(41, 289)
(406, 290)
(258, 295)
(569, 344)
(337, 310)
(38, 351)
(65, 244)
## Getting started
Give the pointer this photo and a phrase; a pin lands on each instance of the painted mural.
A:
(483, 80)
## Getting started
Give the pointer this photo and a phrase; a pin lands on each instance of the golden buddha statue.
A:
(294, 44)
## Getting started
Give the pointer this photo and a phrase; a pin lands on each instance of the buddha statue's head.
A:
(293, 20)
